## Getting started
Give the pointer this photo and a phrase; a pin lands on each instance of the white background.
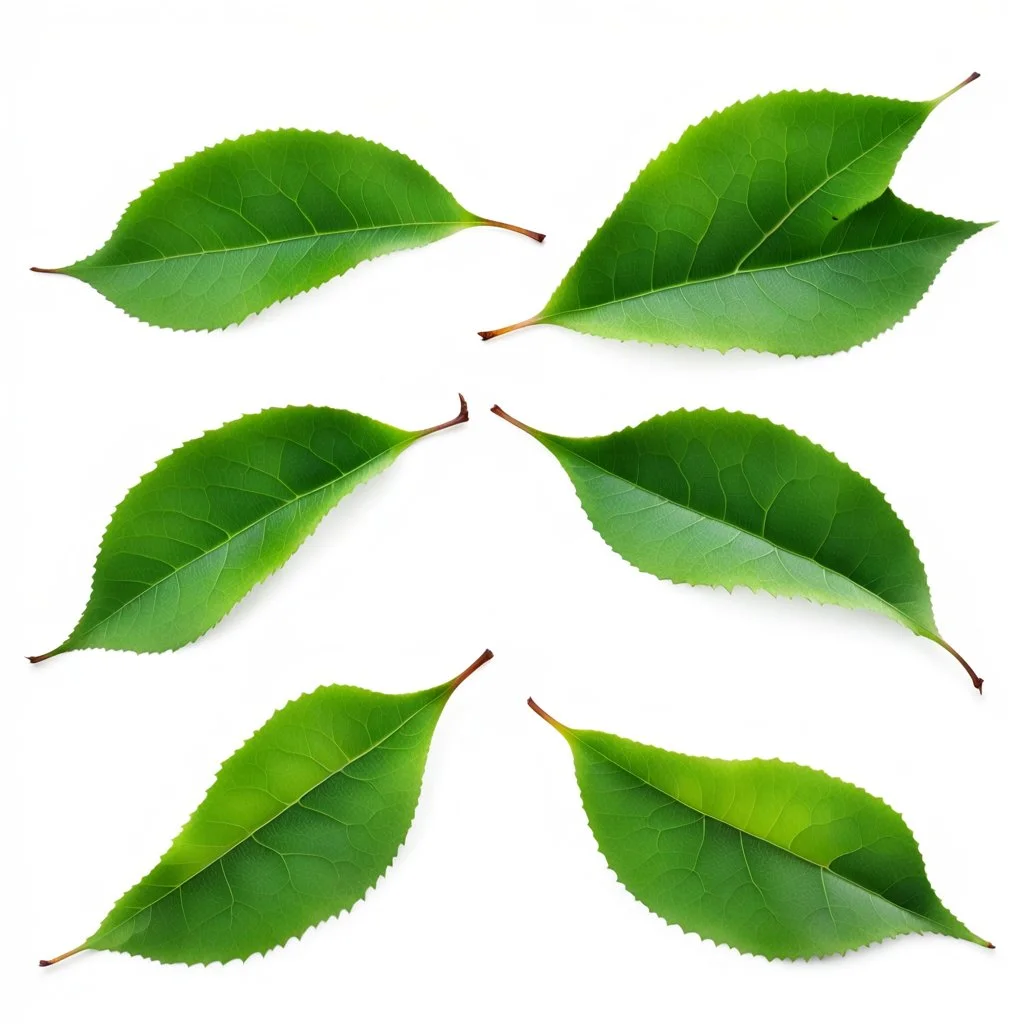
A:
(499, 906)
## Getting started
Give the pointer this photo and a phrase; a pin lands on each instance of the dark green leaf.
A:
(767, 226)
(726, 499)
(769, 857)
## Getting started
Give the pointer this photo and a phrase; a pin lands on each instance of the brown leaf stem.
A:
(498, 411)
(34, 659)
(487, 335)
(535, 235)
(466, 673)
(534, 706)
(975, 678)
(462, 417)
(63, 956)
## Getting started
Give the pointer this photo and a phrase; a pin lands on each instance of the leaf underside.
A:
(299, 825)
(719, 498)
(768, 226)
(219, 515)
(769, 857)
(254, 220)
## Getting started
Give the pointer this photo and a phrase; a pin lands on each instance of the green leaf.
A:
(251, 221)
(220, 514)
(299, 825)
(767, 226)
(769, 857)
(720, 498)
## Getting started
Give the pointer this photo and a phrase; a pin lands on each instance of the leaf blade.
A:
(255, 220)
(338, 750)
(716, 498)
(220, 514)
(796, 303)
(752, 232)
(769, 857)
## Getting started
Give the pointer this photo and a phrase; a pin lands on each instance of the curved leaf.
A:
(250, 221)
(220, 514)
(300, 823)
(767, 226)
(769, 857)
(720, 498)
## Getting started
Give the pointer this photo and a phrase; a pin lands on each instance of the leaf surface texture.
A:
(300, 823)
(221, 513)
(720, 498)
(769, 857)
(254, 220)
(768, 226)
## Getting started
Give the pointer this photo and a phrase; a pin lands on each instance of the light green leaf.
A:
(720, 498)
(220, 514)
(769, 857)
(248, 222)
(299, 825)
(767, 226)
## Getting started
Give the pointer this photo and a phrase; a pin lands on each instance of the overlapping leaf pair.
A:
(768, 226)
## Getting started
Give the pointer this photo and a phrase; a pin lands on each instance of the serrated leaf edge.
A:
(60, 649)
(754, 952)
(245, 135)
(298, 934)
(699, 345)
(715, 586)
(539, 320)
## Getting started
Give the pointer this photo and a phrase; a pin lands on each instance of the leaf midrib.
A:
(271, 242)
(744, 832)
(740, 272)
(789, 213)
(819, 187)
(228, 540)
(284, 810)
(902, 617)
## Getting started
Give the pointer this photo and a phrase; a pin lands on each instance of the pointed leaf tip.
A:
(466, 673)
